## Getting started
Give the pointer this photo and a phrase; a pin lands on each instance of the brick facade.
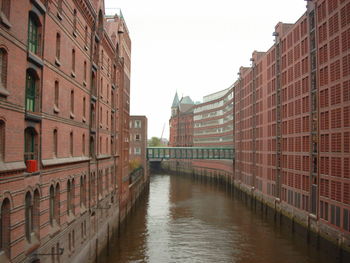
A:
(64, 114)
(138, 140)
(291, 123)
(181, 122)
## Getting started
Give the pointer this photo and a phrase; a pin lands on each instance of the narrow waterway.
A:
(184, 220)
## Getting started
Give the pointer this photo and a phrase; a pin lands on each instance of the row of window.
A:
(32, 210)
(31, 143)
(332, 214)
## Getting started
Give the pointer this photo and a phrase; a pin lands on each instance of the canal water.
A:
(185, 220)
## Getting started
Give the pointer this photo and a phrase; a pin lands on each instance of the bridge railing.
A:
(190, 153)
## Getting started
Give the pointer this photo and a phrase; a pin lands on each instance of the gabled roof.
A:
(175, 101)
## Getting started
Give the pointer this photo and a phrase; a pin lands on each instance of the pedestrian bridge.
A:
(161, 153)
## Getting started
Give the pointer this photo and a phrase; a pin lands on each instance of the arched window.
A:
(86, 36)
(30, 148)
(92, 147)
(112, 144)
(57, 204)
(92, 117)
(74, 20)
(34, 35)
(73, 60)
(72, 197)
(84, 107)
(100, 23)
(101, 116)
(112, 99)
(52, 204)
(93, 187)
(2, 140)
(84, 191)
(81, 191)
(107, 92)
(72, 101)
(100, 144)
(107, 180)
(93, 84)
(55, 145)
(28, 216)
(83, 144)
(85, 71)
(5, 225)
(5, 8)
(31, 91)
(71, 143)
(69, 194)
(57, 93)
(3, 69)
(36, 213)
(58, 46)
(99, 184)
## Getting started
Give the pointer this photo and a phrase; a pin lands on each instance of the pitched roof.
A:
(175, 101)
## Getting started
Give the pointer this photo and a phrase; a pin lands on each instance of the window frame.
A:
(31, 86)
(34, 34)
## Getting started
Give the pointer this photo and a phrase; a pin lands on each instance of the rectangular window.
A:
(137, 137)
(137, 124)
(346, 219)
(137, 151)
(30, 93)
(332, 214)
(33, 35)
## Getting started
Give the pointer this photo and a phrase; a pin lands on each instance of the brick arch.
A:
(29, 189)
(4, 46)
(5, 224)
(36, 15)
(38, 188)
(33, 71)
(7, 195)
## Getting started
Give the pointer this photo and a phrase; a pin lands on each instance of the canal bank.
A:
(302, 223)
(106, 224)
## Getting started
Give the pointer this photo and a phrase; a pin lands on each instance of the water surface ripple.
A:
(183, 220)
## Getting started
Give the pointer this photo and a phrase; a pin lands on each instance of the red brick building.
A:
(64, 114)
(292, 121)
(291, 114)
(181, 122)
(138, 141)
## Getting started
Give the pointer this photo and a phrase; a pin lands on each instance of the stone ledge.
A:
(12, 166)
(58, 161)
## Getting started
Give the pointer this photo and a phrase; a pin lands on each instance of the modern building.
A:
(213, 120)
(64, 133)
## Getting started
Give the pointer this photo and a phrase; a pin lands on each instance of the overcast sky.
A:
(194, 47)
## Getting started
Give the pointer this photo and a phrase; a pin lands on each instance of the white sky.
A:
(193, 46)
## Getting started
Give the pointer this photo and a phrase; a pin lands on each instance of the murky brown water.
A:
(183, 220)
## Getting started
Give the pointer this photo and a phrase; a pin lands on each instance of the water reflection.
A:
(182, 220)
